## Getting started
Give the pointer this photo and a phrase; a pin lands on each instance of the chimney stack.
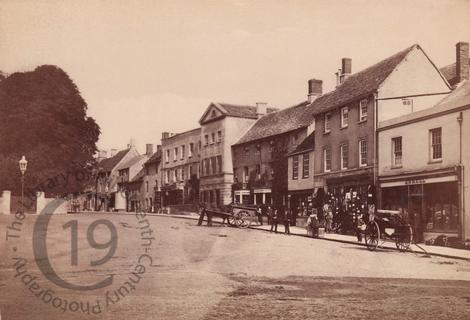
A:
(261, 109)
(159, 147)
(462, 63)
(165, 135)
(149, 149)
(315, 89)
(346, 67)
(102, 154)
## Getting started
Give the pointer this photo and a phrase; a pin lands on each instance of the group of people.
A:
(279, 214)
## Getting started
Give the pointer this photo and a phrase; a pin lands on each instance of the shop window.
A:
(344, 117)
(363, 110)
(362, 153)
(306, 166)
(396, 151)
(295, 167)
(237, 198)
(326, 159)
(436, 143)
(327, 123)
(344, 153)
(441, 210)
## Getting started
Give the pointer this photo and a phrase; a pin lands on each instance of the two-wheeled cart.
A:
(388, 225)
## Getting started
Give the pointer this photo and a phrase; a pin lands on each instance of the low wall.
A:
(62, 206)
(5, 202)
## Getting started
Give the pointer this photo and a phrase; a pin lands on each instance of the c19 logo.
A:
(41, 252)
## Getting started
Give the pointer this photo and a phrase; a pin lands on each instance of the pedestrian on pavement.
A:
(274, 217)
(287, 220)
(328, 218)
(259, 214)
(269, 210)
(313, 224)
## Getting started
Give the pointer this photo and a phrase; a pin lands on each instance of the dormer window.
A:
(327, 127)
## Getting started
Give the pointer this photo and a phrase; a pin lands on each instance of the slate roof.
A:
(155, 158)
(460, 97)
(132, 161)
(450, 73)
(306, 145)
(108, 164)
(278, 122)
(139, 176)
(361, 84)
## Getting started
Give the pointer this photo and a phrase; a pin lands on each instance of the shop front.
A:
(428, 201)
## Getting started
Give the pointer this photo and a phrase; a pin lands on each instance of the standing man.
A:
(274, 217)
(202, 213)
(287, 220)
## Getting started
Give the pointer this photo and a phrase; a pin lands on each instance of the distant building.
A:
(424, 166)
(180, 168)
(222, 125)
(127, 171)
(107, 178)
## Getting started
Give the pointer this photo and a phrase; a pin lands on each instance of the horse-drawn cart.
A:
(235, 215)
(388, 225)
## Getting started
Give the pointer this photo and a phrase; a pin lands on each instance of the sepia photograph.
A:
(234, 159)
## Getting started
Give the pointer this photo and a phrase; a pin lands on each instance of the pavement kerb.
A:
(323, 238)
(187, 217)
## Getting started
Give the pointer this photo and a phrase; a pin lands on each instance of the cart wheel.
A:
(244, 219)
(372, 235)
(232, 220)
(404, 239)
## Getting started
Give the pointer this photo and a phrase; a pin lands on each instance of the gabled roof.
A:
(450, 73)
(233, 110)
(278, 122)
(361, 84)
(306, 145)
(129, 163)
(108, 164)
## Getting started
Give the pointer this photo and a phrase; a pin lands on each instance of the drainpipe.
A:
(461, 184)
(378, 195)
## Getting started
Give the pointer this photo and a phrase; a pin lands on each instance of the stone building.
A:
(424, 160)
(300, 179)
(106, 184)
(180, 168)
(346, 118)
(259, 156)
(222, 125)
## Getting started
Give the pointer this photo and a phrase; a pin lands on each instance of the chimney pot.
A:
(462, 63)
(149, 149)
(261, 108)
(165, 135)
(346, 65)
(315, 89)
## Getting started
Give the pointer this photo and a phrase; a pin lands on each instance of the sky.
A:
(144, 67)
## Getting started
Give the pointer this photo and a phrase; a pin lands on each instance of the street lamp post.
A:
(23, 164)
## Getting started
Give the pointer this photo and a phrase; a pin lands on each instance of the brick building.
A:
(259, 156)
(180, 167)
(346, 118)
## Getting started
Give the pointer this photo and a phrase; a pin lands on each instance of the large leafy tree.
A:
(43, 116)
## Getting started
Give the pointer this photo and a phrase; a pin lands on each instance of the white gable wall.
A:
(415, 75)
